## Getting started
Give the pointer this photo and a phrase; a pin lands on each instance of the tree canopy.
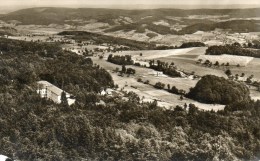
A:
(192, 44)
(213, 89)
(232, 50)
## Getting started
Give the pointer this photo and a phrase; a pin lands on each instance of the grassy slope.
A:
(98, 38)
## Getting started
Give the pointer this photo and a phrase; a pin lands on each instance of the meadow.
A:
(231, 59)
(185, 60)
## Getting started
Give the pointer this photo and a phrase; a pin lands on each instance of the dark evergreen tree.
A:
(64, 100)
(123, 69)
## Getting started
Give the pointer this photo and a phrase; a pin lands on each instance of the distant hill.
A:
(43, 16)
(140, 28)
(234, 25)
(156, 20)
(99, 38)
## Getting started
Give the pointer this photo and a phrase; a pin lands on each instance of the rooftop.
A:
(51, 87)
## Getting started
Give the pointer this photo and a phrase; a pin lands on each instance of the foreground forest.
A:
(117, 129)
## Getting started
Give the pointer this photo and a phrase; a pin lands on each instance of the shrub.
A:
(192, 44)
(159, 85)
(139, 80)
(147, 82)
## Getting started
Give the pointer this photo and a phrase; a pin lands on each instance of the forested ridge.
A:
(41, 15)
(99, 39)
(119, 129)
(234, 49)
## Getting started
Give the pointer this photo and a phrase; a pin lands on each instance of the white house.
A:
(108, 91)
(48, 90)
(156, 73)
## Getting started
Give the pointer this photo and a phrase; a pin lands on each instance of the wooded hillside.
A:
(32, 128)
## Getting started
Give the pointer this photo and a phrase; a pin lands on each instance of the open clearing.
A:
(148, 92)
(184, 59)
(254, 94)
(164, 98)
(155, 54)
(231, 59)
(189, 65)
(253, 68)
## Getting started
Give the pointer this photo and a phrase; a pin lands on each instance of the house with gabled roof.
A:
(50, 91)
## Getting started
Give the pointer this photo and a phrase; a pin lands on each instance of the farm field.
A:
(254, 94)
(42, 28)
(164, 98)
(189, 65)
(214, 42)
(148, 92)
(145, 74)
(231, 59)
(253, 68)
(185, 60)
(155, 54)
(180, 83)
(26, 38)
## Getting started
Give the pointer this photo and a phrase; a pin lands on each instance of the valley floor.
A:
(148, 92)
(184, 59)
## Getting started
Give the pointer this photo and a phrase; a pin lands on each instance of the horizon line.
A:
(8, 9)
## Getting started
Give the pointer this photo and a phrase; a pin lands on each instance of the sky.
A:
(7, 5)
(124, 2)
